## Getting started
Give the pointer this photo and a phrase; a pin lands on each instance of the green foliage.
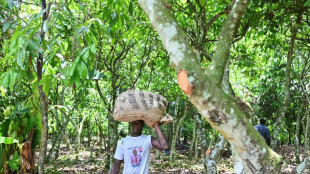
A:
(14, 163)
(14, 130)
(112, 43)
(7, 140)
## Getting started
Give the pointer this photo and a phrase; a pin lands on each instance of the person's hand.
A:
(157, 124)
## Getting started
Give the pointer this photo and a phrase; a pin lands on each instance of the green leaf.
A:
(12, 79)
(14, 163)
(130, 8)
(59, 16)
(114, 19)
(39, 14)
(85, 56)
(33, 122)
(95, 75)
(82, 29)
(72, 69)
(5, 79)
(45, 26)
(10, 3)
(93, 48)
(74, 78)
(5, 27)
(82, 69)
(7, 140)
(202, 2)
(25, 122)
(307, 3)
(2, 91)
(20, 43)
(34, 45)
(12, 46)
(20, 58)
(46, 82)
(84, 51)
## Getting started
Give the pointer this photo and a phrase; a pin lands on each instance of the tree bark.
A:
(297, 142)
(43, 99)
(190, 153)
(212, 155)
(27, 154)
(305, 155)
(198, 132)
(219, 109)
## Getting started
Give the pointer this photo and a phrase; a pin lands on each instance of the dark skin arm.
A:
(161, 142)
(116, 166)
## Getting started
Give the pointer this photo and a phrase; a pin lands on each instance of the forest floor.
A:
(83, 162)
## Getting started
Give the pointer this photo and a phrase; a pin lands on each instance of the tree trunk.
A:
(27, 155)
(79, 133)
(238, 164)
(89, 133)
(203, 138)
(297, 142)
(198, 133)
(306, 133)
(212, 155)
(176, 134)
(222, 111)
(100, 135)
(190, 154)
(43, 99)
(287, 78)
(113, 138)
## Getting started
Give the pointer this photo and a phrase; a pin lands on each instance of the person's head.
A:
(134, 152)
(262, 121)
(137, 127)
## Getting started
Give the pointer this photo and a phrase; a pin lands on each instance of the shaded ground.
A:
(83, 163)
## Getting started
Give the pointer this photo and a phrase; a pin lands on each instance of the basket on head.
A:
(139, 105)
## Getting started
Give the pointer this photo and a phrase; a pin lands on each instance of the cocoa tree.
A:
(223, 112)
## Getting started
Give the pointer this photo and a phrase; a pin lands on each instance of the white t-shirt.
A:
(135, 151)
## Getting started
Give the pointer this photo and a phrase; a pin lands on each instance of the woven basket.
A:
(139, 105)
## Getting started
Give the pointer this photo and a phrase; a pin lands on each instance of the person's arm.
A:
(160, 144)
(116, 166)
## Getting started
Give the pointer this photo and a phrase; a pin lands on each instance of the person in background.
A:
(134, 150)
(263, 130)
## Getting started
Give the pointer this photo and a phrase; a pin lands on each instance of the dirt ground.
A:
(83, 162)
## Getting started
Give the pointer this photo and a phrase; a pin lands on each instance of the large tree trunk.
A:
(220, 110)
(43, 100)
(287, 78)
(226, 86)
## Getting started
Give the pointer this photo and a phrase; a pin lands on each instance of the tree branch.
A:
(225, 39)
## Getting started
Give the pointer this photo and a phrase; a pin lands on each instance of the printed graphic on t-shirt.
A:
(136, 156)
